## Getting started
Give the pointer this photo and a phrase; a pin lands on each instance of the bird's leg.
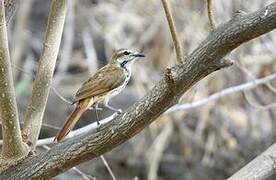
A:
(97, 116)
(119, 111)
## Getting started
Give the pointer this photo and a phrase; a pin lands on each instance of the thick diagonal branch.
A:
(43, 79)
(13, 147)
(202, 61)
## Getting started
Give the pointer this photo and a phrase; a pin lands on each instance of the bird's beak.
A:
(139, 55)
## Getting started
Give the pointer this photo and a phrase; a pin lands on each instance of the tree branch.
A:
(210, 14)
(43, 79)
(178, 107)
(155, 152)
(176, 42)
(262, 167)
(231, 90)
(204, 60)
(108, 168)
(13, 148)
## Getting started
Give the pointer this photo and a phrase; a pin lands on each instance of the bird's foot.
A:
(119, 111)
(98, 123)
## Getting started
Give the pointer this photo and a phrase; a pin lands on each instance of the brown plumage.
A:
(104, 84)
(71, 120)
(107, 78)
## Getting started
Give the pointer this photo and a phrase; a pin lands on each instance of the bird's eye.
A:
(126, 53)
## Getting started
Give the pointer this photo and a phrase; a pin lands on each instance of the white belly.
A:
(119, 89)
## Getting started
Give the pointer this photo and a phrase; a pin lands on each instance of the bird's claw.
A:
(119, 111)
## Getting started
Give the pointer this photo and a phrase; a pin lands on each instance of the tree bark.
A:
(204, 60)
(13, 147)
(43, 78)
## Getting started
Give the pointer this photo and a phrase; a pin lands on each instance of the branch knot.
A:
(169, 78)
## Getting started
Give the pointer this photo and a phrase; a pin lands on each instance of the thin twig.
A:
(83, 175)
(155, 152)
(246, 92)
(252, 76)
(56, 92)
(60, 96)
(209, 149)
(211, 14)
(108, 167)
(13, 147)
(91, 127)
(246, 86)
(257, 105)
(177, 44)
(43, 79)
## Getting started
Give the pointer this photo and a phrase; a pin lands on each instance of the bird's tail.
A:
(71, 120)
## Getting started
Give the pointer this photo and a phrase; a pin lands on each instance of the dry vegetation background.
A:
(208, 142)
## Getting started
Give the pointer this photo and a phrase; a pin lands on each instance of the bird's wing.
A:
(103, 81)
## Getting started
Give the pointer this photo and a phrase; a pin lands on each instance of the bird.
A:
(106, 83)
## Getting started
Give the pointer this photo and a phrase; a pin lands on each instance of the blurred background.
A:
(211, 141)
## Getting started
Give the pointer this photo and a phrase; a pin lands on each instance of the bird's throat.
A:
(123, 64)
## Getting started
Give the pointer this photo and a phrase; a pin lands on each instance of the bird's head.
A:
(124, 57)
